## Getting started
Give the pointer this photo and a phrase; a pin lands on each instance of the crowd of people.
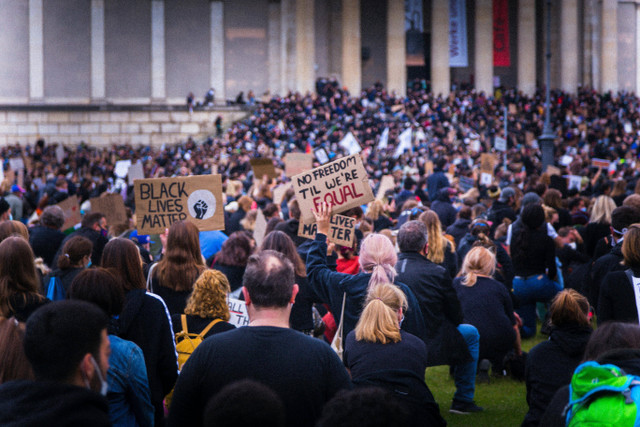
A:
(454, 264)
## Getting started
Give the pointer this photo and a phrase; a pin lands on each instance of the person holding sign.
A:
(377, 260)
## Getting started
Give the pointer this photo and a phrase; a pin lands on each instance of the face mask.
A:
(583, 209)
(89, 265)
(10, 217)
(104, 387)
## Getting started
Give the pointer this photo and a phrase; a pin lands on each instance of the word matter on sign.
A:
(343, 183)
(342, 230)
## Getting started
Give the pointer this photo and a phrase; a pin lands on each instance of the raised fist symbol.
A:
(201, 209)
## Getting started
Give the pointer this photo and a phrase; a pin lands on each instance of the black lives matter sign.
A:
(163, 201)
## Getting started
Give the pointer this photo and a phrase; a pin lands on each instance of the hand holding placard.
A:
(322, 216)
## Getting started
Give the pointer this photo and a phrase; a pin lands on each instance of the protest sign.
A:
(342, 230)
(238, 312)
(162, 201)
(513, 109)
(321, 155)
(60, 153)
(404, 143)
(259, 228)
(135, 172)
(465, 183)
(552, 170)
(295, 163)
(350, 143)
(500, 144)
(279, 192)
(428, 167)
(122, 168)
(111, 206)
(386, 183)
(384, 139)
(487, 163)
(486, 179)
(261, 167)
(575, 182)
(343, 183)
(16, 163)
(71, 209)
(600, 163)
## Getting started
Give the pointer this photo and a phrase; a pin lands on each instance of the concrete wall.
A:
(627, 46)
(106, 128)
(14, 49)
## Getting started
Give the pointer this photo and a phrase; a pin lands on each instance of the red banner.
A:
(501, 57)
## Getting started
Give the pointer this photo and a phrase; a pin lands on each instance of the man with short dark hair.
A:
(46, 238)
(449, 341)
(304, 372)
(67, 345)
(94, 228)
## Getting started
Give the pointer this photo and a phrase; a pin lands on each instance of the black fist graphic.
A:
(201, 209)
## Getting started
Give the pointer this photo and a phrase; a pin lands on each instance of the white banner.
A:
(458, 33)
(384, 139)
(404, 143)
(350, 143)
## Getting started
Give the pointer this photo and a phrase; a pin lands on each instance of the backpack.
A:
(603, 395)
(55, 291)
(187, 342)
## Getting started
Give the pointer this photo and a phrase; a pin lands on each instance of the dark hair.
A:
(13, 363)
(569, 308)
(622, 217)
(122, 257)
(272, 223)
(13, 228)
(464, 212)
(91, 219)
(270, 210)
(365, 407)
(99, 286)
(182, 262)
(228, 408)
(532, 217)
(269, 279)
(575, 202)
(412, 236)
(610, 336)
(553, 198)
(294, 209)
(235, 250)
(59, 335)
(73, 251)
(52, 216)
(17, 272)
(281, 242)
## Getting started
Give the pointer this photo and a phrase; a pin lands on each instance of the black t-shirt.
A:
(362, 357)
(303, 371)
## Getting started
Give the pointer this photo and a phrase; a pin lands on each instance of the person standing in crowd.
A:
(460, 227)
(443, 206)
(13, 363)
(67, 345)
(304, 372)
(75, 257)
(14, 198)
(437, 180)
(449, 341)
(599, 223)
(502, 208)
(46, 238)
(441, 250)
(232, 259)
(94, 228)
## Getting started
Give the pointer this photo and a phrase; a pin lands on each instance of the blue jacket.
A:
(129, 396)
(330, 287)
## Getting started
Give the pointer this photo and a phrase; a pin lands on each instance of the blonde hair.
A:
(479, 261)
(378, 257)
(249, 220)
(379, 319)
(375, 209)
(209, 296)
(602, 208)
(437, 242)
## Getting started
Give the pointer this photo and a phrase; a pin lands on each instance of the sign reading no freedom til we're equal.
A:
(343, 183)
(161, 202)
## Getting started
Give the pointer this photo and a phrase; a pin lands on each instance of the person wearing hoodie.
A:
(460, 227)
(75, 257)
(551, 363)
(290, 226)
(437, 180)
(443, 207)
(67, 345)
(502, 208)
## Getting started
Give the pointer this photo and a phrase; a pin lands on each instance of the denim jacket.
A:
(129, 396)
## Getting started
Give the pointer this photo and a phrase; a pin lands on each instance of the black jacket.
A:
(98, 240)
(603, 266)
(290, 228)
(45, 242)
(439, 305)
(617, 301)
(145, 321)
(65, 276)
(458, 229)
(498, 212)
(503, 260)
(443, 207)
(43, 403)
(550, 366)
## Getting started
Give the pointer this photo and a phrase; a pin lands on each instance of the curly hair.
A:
(209, 296)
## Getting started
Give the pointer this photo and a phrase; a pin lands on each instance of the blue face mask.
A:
(89, 265)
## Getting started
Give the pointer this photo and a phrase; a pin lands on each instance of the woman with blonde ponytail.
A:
(379, 353)
(487, 305)
(377, 260)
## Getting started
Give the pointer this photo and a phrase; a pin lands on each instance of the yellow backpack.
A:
(187, 342)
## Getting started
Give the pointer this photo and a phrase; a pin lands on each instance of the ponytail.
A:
(569, 307)
(379, 319)
(380, 274)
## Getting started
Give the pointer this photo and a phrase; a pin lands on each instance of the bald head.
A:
(269, 279)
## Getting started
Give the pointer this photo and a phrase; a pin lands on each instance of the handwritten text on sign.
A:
(341, 230)
(238, 312)
(161, 202)
(343, 183)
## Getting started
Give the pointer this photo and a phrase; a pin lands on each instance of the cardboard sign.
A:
(238, 312)
(263, 167)
(295, 163)
(16, 163)
(162, 201)
(136, 171)
(111, 206)
(529, 137)
(71, 209)
(428, 167)
(513, 109)
(386, 183)
(552, 170)
(487, 163)
(342, 230)
(600, 163)
(259, 228)
(279, 192)
(486, 179)
(343, 183)
(122, 168)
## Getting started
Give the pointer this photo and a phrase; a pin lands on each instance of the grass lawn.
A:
(504, 399)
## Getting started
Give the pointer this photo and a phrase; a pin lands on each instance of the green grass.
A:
(504, 399)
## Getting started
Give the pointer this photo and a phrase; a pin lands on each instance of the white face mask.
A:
(104, 387)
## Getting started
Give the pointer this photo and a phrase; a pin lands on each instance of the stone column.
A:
(216, 67)
(527, 46)
(609, 55)
(637, 48)
(484, 47)
(98, 85)
(273, 48)
(440, 72)
(158, 75)
(36, 50)
(396, 48)
(351, 47)
(569, 46)
(287, 45)
(305, 46)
